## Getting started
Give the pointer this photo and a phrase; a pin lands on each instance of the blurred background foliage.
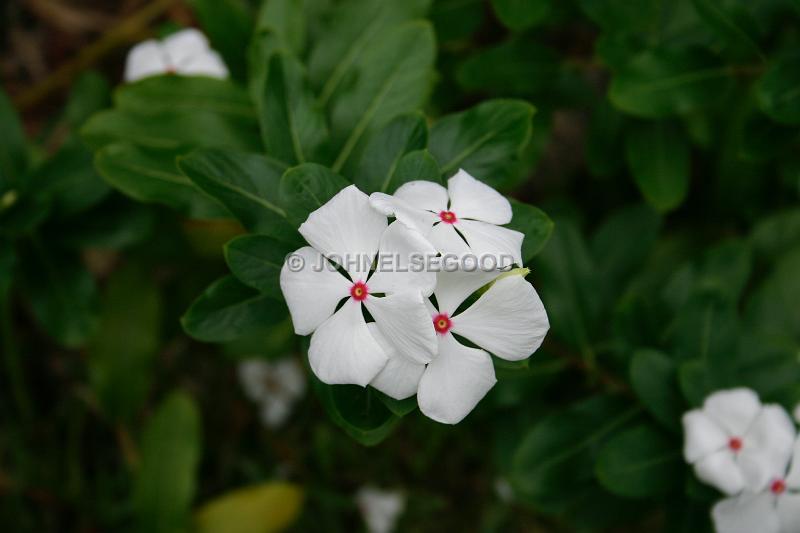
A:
(664, 147)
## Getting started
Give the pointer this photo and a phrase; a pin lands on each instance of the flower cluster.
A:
(751, 453)
(409, 331)
(186, 52)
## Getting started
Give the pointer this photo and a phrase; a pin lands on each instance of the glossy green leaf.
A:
(165, 482)
(165, 94)
(292, 124)
(661, 83)
(256, 260)
(734, 23)
(536, 226)
(228, 24)
(90, 93)
(640, 463)
(229, 309)
(306, 188)
(484, 140)
(415, 166)
(778, 90)
(654, 378)
(358, 411)
(121, 355)
(772, 307)
(658, 157)
(152, 176)
(521, 14)
(288, 20)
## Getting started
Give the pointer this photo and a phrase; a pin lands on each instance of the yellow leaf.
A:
(262, 508)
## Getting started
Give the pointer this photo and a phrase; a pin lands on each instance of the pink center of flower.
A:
(448, 217)
(735, 444)
(778, 486)
(359, 291)
(442, 323)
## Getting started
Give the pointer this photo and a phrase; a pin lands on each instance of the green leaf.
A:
(522, 14)
(266, 508)
(170, 454)
(654, 378)
(661, 83)
(778, 90)
(398, 407)
(13, 149)
(256, 260)
(247, 184)
(776, 233)
(415, 166)
(287, 21)
(558, 453)
(392, 77)
(229, 25)
(456, 19)
(658, 157)
(61, 293)
(358, 411)
(640, 463)
(164, 94)
(120, 372)
(292, 125)
(536, 226)
(152, 176)
(306, 188)
(773, 307)
(90, 93)
(228, 309)
(484, 140)
(734, 23)
(384, 150)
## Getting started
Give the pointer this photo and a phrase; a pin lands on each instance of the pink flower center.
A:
(448, 217)
(359, 291)
(778, 486)
(442, 323)
(735, 444)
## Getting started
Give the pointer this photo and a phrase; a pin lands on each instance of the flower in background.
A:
(275, 386)
(380, 509)
(735, 443)
(348, 231)
(774, 509)
(465, 218)
(186, 52)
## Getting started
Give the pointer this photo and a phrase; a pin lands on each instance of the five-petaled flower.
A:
(186, 52)
(276, 386)
(735, 443)
(330, 303)
(465, 218)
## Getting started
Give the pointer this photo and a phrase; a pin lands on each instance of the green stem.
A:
(16, 375)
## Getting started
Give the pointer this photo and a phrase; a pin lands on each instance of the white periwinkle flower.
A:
(735, 443)
(380, 509)
(465, 218)
(186, 52)
(774, 509)
(348, 231)
(508, 320)
(275, 386)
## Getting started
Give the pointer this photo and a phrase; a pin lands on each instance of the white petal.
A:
(470, 198)
(789, 512)
(253, 378)
(453, 287)
(145, 59)
(413, 217)
(348, 230)
(454, 383)
(343, 351)
(288, 373)
(767, 447)
(508, 320)
(312, 293)
(275, 411)
(208, 63)
(423, 195)
(748, 513)
(406, 324)
(445, 239)
(702, 436)
(733, 410)
(719, 469)
(793, 477)
(403, 262)
(380, 509)
(495, 241)
(400, 377)
(183, 46)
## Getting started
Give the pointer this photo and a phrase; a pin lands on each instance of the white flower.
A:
(735, 443)
(343, 350)
(186, 52)
(276, 386)
(467, 208)
(775, 509)
(380, 509)
(508, 320)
